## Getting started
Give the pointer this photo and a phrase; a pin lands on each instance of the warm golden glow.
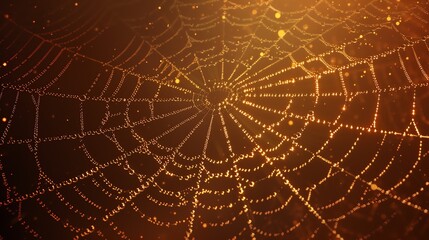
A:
(214, 119)
(281, 33)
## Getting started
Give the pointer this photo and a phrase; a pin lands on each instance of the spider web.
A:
(214, 119)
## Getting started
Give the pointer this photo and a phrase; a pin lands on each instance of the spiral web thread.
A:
(208, 119)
